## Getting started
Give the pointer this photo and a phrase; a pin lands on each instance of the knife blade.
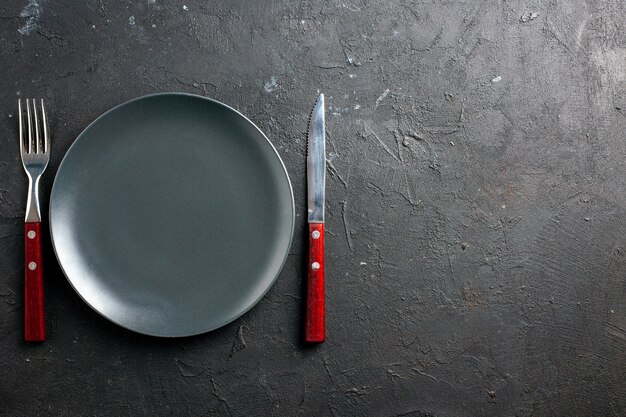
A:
(316, 195)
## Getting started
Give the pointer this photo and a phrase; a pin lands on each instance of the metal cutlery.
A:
(316, 181)
(35, 153)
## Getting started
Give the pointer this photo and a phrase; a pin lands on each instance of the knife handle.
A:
(315, 321)
(34, 319)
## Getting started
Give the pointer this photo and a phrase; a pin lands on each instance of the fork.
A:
(35, 152)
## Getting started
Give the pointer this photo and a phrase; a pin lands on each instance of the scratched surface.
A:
(476, 251)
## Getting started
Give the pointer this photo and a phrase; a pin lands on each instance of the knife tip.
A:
(320, 99)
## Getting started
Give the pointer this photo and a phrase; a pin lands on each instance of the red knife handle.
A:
(34, 319)
(315, 326)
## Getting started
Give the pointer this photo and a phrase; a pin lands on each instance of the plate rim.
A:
(284, 170)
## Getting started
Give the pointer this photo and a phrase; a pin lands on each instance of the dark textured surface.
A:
(476, 251)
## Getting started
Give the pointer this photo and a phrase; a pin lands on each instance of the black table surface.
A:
(475, 248)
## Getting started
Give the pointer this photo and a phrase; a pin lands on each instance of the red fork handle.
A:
(34, 318)
(315, 325)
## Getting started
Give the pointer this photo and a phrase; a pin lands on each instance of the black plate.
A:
(171, 214)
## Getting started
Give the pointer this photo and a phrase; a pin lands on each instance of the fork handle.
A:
(315, 320)
(34, 318)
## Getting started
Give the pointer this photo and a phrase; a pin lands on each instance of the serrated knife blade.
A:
(316, 162)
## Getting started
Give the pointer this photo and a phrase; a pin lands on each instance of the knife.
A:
(316, 183)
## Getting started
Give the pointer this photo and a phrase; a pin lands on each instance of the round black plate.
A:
(171, 215)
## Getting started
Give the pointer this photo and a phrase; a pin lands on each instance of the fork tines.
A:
(34, 142)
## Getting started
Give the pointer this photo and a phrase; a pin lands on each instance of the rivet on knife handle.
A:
(315, 317)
